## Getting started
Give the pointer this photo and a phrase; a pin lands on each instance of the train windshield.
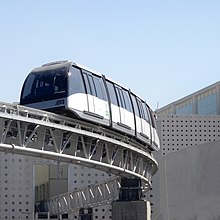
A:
(45, 85)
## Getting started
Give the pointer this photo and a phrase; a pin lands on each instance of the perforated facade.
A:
(23, 180)
(177, 134)
(16, 187)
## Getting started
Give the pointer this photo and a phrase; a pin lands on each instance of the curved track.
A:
(42, 134)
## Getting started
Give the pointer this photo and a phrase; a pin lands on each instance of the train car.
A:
(70, 89)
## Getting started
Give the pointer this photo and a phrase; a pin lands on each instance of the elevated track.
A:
(37, 133)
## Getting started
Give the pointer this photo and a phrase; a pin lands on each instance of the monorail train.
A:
(66, 87)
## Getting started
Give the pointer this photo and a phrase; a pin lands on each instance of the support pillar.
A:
(131, 210)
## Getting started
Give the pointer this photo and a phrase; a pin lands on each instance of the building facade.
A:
(203, 102)
(186, 186)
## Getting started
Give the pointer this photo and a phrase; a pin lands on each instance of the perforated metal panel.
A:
(177, 132)
(16, 187)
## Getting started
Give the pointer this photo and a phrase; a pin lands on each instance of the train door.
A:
(77, 100)
(96, 96)
(101, 100)
(145, 120)
(143, 132)
(137, 115)
(125, 108)
(115, 113)
(121, 109)
(90, 91)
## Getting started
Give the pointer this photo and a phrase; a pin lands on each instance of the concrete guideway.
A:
(37, 133)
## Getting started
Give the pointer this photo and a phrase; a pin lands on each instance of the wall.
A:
(186, 186)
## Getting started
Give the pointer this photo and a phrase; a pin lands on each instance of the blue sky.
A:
(162, 50)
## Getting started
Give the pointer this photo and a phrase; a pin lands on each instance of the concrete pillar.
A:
(131, 210)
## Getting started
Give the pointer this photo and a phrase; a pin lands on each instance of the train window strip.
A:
(123, 98)
(94, 85)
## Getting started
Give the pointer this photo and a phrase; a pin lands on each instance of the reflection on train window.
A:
(51, 83)
(92, 85)
(88, 88)
(100, 88)
(45, 85)
(120, 97)
(152, 117)
(146, 112)
(140, 108)
(28, 86)
(76, 82)
(136, 109)
(127, 100)
(59, 85)
(112, 93)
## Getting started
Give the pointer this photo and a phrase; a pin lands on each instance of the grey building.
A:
(187, 184)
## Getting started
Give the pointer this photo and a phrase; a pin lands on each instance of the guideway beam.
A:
(38, 133)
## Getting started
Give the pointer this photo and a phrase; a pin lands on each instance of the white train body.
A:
(71, 89)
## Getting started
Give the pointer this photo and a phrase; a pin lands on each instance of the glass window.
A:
(101, 93)
(207, 105)
(145, 111)
(76, 82)
(120, 97)
(152, 116)
(45, 85)
(127, 100)
(134, 102)
(187, 109)
(92, 85)
(112, 93)
(141, 108)
(28, 86)
(88, 88)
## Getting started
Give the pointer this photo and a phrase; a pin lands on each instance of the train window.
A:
(141, 108)
(152, 118)
(146, 112)
(76, 82)
(28, 86)
(112, 93)
(92, 85)
(135, 105)
(120, 97)
(101, 93)
(124, 99)
(127, 100)
(88, 88)
(45, 85)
